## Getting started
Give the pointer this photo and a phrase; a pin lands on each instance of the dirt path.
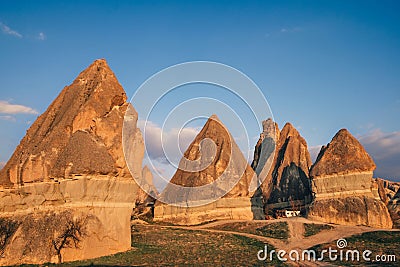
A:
(296, 230)
(296, 239)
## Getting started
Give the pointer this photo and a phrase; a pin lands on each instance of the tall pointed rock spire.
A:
(79, 133)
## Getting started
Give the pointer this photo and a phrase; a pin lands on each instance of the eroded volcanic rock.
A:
(80, 132)
(213, 164)
(71, 163)
(147, 186)
(287, 180)
(228, 163)
(344, 190)
(387, 189)
(394, 209)
(344, 154)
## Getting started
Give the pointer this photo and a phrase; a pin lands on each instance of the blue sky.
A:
(322, 65)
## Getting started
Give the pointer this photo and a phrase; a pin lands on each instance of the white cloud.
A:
(8, 108)
(165, 149)
(314, 151)
(41, 36)
(7, 118)
(385, 150)
(167, 145)
(382, 144)
(293, 29)
(7, 30)
(383, 147)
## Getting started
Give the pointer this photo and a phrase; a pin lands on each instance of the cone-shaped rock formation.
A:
(344, 190)
(69, 170)
(85, 119)
(212, 167)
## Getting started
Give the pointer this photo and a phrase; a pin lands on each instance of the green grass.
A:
(278, 230)
(312, 228)
(379, 242)
(154, 245)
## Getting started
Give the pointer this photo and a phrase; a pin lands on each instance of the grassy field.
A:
(313, 229)
(154, 245)
(161, 245)
(278, 230)
(379, 242)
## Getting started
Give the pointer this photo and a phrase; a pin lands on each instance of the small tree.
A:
(73, 233)
(7, 230)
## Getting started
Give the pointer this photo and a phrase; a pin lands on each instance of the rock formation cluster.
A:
(70, 170)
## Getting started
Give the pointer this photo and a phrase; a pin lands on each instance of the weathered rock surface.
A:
(287, 180)
(344, 154)
(213, 164)
(353, 210)
(147, 188)
(344, 190)
(265, 148)
(42, 209)
(71, 165)
(394, 209)
(86, 118)
(238, 208)
(387, 189)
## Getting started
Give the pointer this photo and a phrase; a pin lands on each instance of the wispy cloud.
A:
(41, 36)
(292, 29)
(162, 144)
(165, 149)
(8, 108)
(7, 30)
(314, 151)
(2, 164)
(7, 118)
(383, 147)
(385, 150)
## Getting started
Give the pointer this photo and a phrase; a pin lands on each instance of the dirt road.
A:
(296, 240)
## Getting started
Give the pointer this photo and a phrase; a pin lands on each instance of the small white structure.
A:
(292, 213)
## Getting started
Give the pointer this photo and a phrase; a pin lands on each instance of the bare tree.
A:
(71, 236)
(7, 230)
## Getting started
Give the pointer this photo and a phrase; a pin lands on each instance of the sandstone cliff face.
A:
(354, 210)
(344, 190)
(86, 117)
(41, 211)
(70, 165)
(288, 178)
(213, 164)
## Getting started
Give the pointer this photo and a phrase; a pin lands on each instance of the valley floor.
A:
(236, 243)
